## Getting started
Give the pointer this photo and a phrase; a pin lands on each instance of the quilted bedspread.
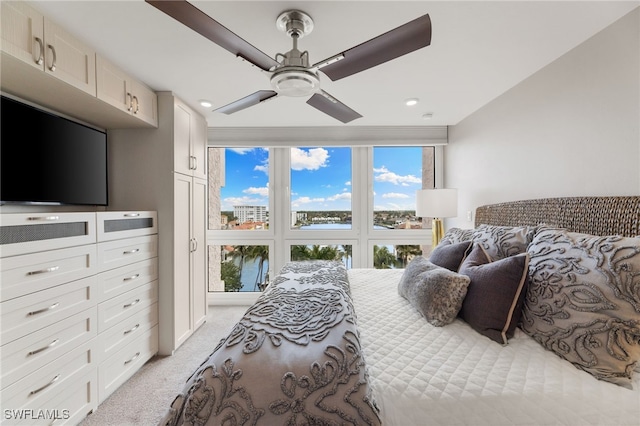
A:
(424, 375)
(294, 358)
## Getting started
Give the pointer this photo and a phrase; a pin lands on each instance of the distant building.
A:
(250, 213)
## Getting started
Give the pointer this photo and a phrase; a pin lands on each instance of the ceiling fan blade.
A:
(203, 24)
(247, 101)
(333, 107)
(390, 45)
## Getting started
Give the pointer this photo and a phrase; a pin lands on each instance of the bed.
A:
(323, 345)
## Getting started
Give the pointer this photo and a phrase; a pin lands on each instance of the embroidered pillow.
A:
(456, 235)
(583, 301)
(450, 256)
(503, 241)
(436, 292)
(493, 304)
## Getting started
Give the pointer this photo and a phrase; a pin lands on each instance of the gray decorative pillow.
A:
(450, 256)
(456, 235)
(436, 292)
(493, 305)
(583, 301)
(504, 241)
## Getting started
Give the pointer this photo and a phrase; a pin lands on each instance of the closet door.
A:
(199, 253)
(182, 289)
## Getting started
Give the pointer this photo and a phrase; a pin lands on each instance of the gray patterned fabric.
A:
(456, 235)
(503, 241)
(436, 292)
(293, 358)
(583, 301)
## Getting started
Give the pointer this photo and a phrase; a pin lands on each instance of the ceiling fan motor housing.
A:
(295, 81)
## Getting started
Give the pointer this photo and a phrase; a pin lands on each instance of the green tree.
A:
(261, 253)
(406, 251)
(239, 252)
(383, 258)
(230, 274)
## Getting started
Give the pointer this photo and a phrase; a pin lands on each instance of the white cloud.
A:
(308, 160)
(241, 201)
(385, 175)
(241, 151)
(341, 196)
(348, 183)
(263, 191)
(394, 195)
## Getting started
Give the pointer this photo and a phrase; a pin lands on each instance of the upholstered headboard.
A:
(589, 215)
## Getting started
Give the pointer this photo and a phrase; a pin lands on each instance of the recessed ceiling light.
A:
(411, 101)
(205, 103)
(427, 115)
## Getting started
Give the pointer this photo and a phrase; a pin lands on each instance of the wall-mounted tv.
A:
(48, 159)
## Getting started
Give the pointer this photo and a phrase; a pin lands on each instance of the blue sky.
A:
(321, 178)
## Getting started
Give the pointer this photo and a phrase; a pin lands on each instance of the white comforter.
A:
(424, 375)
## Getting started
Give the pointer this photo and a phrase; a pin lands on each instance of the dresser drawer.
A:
(22, 233)
(120, 366)
(32, 273)
(37, 349)
(126, 331)
(65, 408)
(117, 225)
(120, 307)
(113, 254)
(34, 390)
(117, 281)
(27, 314)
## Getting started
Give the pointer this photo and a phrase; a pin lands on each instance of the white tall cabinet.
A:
(166, 168)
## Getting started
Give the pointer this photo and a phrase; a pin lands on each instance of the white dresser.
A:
(78, 310)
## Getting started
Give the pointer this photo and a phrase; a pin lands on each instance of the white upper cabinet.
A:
(41, 43)
(190, 136)
(122, 91)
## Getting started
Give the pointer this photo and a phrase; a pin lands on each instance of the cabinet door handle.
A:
(128, 305)
(44, 348)
(45, 218)
(44, 271)
(40, 59)
(39, 311)
(131, 251)
(132, 277)
(129, 102)
(133, 358)
(33, 392)
(54, 58)
(137, 108)
(131, 330)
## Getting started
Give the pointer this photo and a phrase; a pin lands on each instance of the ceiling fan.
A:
(290, 73)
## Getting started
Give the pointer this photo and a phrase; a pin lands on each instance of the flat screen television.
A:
(48, 159)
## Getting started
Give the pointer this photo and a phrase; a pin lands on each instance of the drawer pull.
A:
(131, 330)
(43, 348)
(131, 251)
(39, 311)
(132, 358)
(131, 214)
(128, 305)
(132, 277)
(33, 392)
(50, 218)
(44, 271)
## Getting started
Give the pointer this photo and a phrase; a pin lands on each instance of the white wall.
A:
(571, 129)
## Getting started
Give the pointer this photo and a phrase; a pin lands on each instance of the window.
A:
(353, 204)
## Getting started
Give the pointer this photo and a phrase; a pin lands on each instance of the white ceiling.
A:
(478, 51)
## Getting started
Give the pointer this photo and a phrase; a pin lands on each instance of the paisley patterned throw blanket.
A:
(293, 359)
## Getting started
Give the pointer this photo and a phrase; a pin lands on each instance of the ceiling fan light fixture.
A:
(295, 82)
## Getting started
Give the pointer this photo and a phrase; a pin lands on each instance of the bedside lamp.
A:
(437, 203)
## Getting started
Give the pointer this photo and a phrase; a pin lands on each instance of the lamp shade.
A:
(437, 203)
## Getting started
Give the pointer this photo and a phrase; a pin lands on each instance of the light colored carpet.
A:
(144, 399)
